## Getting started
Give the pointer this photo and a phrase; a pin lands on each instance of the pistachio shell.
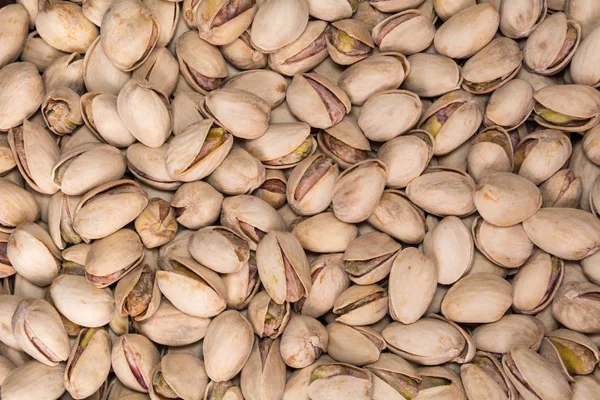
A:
(34, 379)
(303, 340)
(361, 305)
(575, 306)
(282, 145)
(510, 105)
(14, 20)
(40, 53)
(197, 204)
(64, 27)
(519, 19)
(160, 69)
(563, 189)
(278, 23)
(508, 247)
(242, 55)
(148, 165)
(344, 142)
(16, 206)
(184, 375)
(268, 85)
(100, 114)
(137, 293)
(340, 381)
(354, 345)
(201, 64)
(399, 218)
(581, 70)
(432, 75)
(324, 233)
(99, 73)
(263, 376)
(395, 5)
(349, 41)
(408, 32)
(239, 173)
(388, 114)
(485, 377)
(332, 11)
(133, 356)
(575, 104)
(510, 331)
(219, 249)
(219, 29)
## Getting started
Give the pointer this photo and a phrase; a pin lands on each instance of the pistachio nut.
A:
(222, 391)
(160, 69)
(32, 253)
(519, 19)
(148, 165)
(7, 161)
(388, 114)
(18, 206)
(96, 217)
(39, 331)
(311, 184)
(510, 331)
(429, 341)
(510, 105)
(8, 305)
(133, 356)
(61, 110)
(447, 8)
(251, 217)
(339, 380)
(137, 294)
(369, 258)
(497, 292)
(361, 305)
(344, 142)
(185, 108)
(111, 258)
(358, 189)
(6, 269)
(452, 120)
(89, 363)
(283, 267)
(200, 62)
(356, 345)
(399, 218)
(263, 375)
(580, 69)
(63, 26)
(586, 170)
(349, 41)
(570, 108)
(273, 188)
(170, 327)
(99, 73)
(303, 340)
(563, 189)
(65, 71)
(491, 151)
(492, 67)
(412, 285)
(156, 225)
(242, 285)
(71, 297)
(436, 183)
(591, 146)
(567, 233)
(221, 22)
(100, 114)
(278, 23)
(407, 32)
(323, 233)
(455, 37)
(192, 288)
(393, 378)
(34, 379)
(575, 306)
(508, 246)
(335, 10)
(21, 93)
(524, 367)
(197, 204)
(74, 259)
(220, 249)
(268, 85)
(590, 269)
(227, 329)
(167, 15)
(35, 152)
(283, 145)
(395, 5)
(304, 53)
(14, 20)
(242, 55)
(268, 318)
(573, 352)
(145, 112)
(80, 136)
(374, 74)
(506, 199)
(94, 10)
(38, 52)
(178, 376)
(128, 48)
(585, 387)
(432, 75)
(484, 376)
(242, 113)
(552, 44)
(316, 100)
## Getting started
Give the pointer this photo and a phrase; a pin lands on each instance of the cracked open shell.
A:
(431, 340)
(242, 55)
(304, 53)
(219, 23)
(573, 352)
(349, 41)
(403, 168)
(492, 67)
(278, 23)
(508, 247)
(101, 116)
(518, 19)
(569, 108)
(192, 288)
(272, 189)
(89, 363)
(220, 249)
(112, 257)
(539, 155)
(510, 331)
(263, 375)
(39, 332)
(32, 254)
(323, 233)
(181, 375)
(393, 378)
(399, 218)
(283, 145)
(369, 258)
(137, 294)
(62, 111)
(490, 151)
(552, 44)
(268, 318)
(339, 380)
(133, 356)
(197, 151)
(437, 183)
(60, 219)
(344, 142)
(251, 218)
(484, 376)
(374, 74)
(222, 362)
(160, 69)
(148, 165)
(21, 93)
(407, 32)
(87, 166)
(576, 306)
(35, 152)
(64, 27)
(17, 206)
(268, 85)
(96, 217)
(356, 345)
(240, 173)
(534, 376)
(452, 120)
(197, 204)
(99, 73)
(303, 340)
(201, 63)
(563, 189)
(128, 48)
(510, 105)
(361, 305)
(242, 113)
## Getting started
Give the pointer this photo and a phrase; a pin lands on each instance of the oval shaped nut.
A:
(570, 108)
(349, 41)
(101, 116)
(243, 285)
(345, 143)
(197, 204)
(263, 376)
(361, 305)
(200, 63)
(450, 240)
(585, 57)
(518, 19)
(591, 145)
(324, 233)
(510, 105)
(369, 258)
(99, 73)
(64, 27)
(484, 376)
(338, 380)
(506, 199)
(455, 187)
(358, 189)
(412, 285)
(399, 218)
(393, 377)
(403, 168)
(8, 305)
(563, 189)
(388, 114)
(170, 327)
(576, 353)
(228, 329)
(333, 11)
(81, 302)
(127, 53)
(219, 249)
(221, 23)
(268, 85)
(39, 331)
(161, 68)
(575, 306)
(15, 26)
(510, 331)
(303, 341)
(354, 345)
(567, 233)
(278, 24)
(133, 356)
(459, 304)
(182, 375)
(407, 32)
(268, 318)
(137, 294)
(311, 184)
(21, 93)
(508, 247)
(490, 151)
(455, 39)
(432, 75)
(34, 379)
(539, 155)
(18, 206)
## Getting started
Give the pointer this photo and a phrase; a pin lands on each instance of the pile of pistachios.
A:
(300, 200)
